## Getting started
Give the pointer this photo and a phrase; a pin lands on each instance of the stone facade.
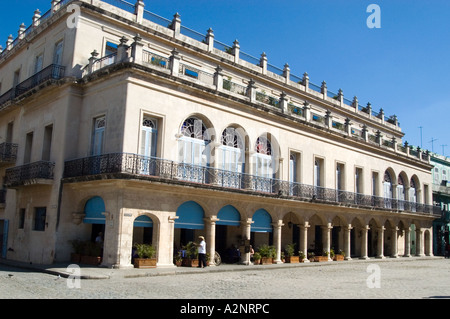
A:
(122, 122)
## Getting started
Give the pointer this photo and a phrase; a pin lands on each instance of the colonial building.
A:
(119, 121)
(441, 198)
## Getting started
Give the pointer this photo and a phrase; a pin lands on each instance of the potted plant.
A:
(322, 258)
(178, 259)
(191, 259)
(256, 258)
(301, 256)
(311, 256)
(146, 256)
(340, 256)
(290, 254)
(267, 254)
(91, 254)
(75, 256)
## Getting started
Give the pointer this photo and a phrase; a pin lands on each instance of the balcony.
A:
(124, 165)
(38, 173)
(51, 73)
(8, 153)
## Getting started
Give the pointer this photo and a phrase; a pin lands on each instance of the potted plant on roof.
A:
(146, 256)
(191, 258)
(290, 254)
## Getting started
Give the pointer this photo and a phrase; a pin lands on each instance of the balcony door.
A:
(232, 158)
(263, 165)
(149, 143)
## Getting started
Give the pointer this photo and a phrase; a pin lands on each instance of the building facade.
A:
(441, 198)
(119, 121)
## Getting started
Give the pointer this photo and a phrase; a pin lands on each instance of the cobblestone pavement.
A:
(370, 279)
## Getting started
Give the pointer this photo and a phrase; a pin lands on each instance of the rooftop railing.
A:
(166, 170)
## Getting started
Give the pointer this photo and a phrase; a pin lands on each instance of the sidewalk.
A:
(92, 272)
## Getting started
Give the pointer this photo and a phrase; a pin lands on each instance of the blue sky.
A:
(403, 67)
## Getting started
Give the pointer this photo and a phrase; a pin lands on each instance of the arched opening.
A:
(231, 157)
(189, 225)
(227, 234)
(194, 150)
(401, 187)
(261, 229)
(387, 189)
(94, 210)
(142, 233)
(290, 232)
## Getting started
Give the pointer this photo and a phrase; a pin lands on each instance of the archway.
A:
(189, 223)
(94, 210)
(227, 234)
(261, 229)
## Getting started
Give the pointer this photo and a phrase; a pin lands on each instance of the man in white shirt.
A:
(201, 252)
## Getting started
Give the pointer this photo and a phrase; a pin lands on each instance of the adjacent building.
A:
(117, 121)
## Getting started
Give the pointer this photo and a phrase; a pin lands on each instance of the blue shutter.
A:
(262, 222)
(229, 216)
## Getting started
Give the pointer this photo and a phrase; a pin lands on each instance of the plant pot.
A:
(90, 260)
(338, 258)
(320, 258)
(266, 261)
(257, 262)
(187, 262)
(145, 263)
(292, 259)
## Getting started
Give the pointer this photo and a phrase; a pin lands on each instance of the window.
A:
(401, 193)
(340, 173)
(39, 62)
(149, 136)
(444, 175)
(98, 135)
(40, 214)
(47, 146)
(294, 172)
(374, 184)
(22, 218)
(57, 55)
(358, 181)
(28, 148)
(263, 158)
(231, 151)
(16, 78)
(436, 176)
(387, 187)
(318, 172)
(412, 194)
(193, 150)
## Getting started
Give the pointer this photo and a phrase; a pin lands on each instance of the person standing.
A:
(201, 252)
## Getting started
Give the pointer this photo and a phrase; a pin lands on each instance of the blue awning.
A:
(190, 216)
(143, 221)
(229, 216)
(262, 222)
(94, 209)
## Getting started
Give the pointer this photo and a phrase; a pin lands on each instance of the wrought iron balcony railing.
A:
(125, 163)
(32, 173)
(52, 72)
(8, 153)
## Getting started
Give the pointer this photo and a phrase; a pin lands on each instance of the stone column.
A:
(326, 238)
(407, 242)
(380, 242)
(364, 243)
(304, 240)
(246, 233)
(176, 25)
(122, 50)
(305, 81)
(263, 63)
(251, 91)
(210, 223)
(21, 32)
(287, 73)
(324, 90)
(347, 242)
(394, 253)
(419, 242)
(92, 59)
(283, 102)
(36, 17)
(277, 238)
(307, 111)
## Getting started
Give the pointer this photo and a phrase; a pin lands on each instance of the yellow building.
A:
(120, 122)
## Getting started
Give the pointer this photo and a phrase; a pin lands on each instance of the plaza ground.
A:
(400, 278)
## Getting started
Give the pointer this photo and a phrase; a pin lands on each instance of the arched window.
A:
(264, 164)
(149, 136)
(193, 150)
(231, 152)
(387, 186)
(401, 193)
(413, 194)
